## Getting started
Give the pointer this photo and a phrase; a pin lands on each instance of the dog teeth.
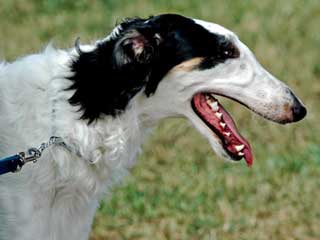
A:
(239, 147)
(213, 105)
(227, 134)
(241, 154)
(223, 125)
(219, 115)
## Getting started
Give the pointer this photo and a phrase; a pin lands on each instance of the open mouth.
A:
(211, 112)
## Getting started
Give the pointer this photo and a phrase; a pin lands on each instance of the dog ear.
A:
(137, 46)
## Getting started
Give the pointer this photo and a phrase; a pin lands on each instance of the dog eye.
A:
(230, 51)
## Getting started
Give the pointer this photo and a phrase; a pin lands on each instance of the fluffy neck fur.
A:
(108, 146)
(109, 142)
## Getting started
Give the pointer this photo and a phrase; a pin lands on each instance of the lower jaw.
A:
(232, 142)
(218, 135)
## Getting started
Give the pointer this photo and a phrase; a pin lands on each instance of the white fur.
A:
(56, 198)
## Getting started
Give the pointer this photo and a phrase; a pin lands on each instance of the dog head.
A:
(175, 66)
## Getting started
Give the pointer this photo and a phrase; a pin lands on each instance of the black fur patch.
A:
(138, 57)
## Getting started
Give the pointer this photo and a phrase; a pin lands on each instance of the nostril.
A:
(298, 111)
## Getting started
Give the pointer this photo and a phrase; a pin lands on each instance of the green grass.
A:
(179, 189)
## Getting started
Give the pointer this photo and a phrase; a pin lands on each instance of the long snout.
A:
(268, 96)
(262, 92)
(265, 95)
(272, 99)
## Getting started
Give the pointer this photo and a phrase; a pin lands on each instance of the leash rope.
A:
(15, 162)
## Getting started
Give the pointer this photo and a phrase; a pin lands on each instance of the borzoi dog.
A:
(102, 99)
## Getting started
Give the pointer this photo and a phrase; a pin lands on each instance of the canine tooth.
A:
(241, 154)
(214, 106)
(227, 133)
(223, 125)
(239, 147)
(219, 115)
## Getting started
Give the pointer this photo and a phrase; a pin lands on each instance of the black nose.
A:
(298, 110)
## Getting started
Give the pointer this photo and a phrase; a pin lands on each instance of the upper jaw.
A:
(261, 93)
(281, 107)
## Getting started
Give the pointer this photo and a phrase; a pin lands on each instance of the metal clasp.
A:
(32, 156)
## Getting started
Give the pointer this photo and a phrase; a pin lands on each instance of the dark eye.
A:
(229, 50)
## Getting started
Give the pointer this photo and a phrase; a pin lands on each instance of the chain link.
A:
(52, 140)
(34, 153)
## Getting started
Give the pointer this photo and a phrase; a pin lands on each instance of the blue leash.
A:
(11, 164)
(15, 163)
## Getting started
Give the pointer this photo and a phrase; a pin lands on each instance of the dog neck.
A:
(107, 143)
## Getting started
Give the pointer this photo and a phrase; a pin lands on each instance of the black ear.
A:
(137, 46)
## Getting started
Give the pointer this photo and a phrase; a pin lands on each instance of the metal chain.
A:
(34, 153)
(52, 140)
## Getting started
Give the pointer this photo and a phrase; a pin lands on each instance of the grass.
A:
(178, 189)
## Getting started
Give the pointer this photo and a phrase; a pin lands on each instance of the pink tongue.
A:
(248, 156)
(236, 138)
(231, 140)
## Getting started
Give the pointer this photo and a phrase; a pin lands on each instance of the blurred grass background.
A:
(178, 189)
